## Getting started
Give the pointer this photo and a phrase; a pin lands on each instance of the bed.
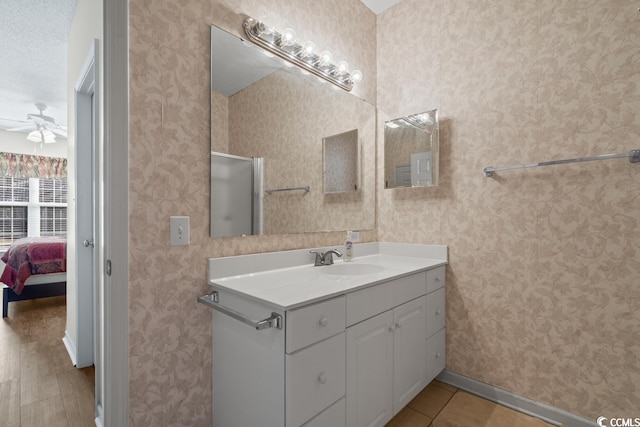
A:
(35, 268)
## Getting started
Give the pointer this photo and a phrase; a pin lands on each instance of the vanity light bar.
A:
(285, 47)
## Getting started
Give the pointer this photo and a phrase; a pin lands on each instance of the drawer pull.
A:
(398, 326)
(323, 322)
(437, 279)
(437, 312)
(437, 355)
(322, 378)
(392, 328)
(211, 300)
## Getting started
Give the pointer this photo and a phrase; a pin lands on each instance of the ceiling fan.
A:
(41, 128)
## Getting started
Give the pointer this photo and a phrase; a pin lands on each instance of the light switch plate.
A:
(179, 230)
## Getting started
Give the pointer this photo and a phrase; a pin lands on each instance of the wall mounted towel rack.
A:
(306, 189)
(633, 155)
(212, 300)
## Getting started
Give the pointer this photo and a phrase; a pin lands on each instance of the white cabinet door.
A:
(409, 352)
(370, 371)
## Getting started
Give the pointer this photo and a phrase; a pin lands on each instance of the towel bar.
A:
(306, 189)
(211, 300)
(633, 156)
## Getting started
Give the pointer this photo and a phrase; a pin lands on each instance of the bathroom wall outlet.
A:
(355, 236)
(179, 230)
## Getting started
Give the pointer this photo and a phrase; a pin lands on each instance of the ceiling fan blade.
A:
(37, 120)
(22, 128)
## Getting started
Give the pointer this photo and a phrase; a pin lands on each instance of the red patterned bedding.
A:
(33, 255)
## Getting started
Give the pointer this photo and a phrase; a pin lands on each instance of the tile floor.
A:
(440, 405)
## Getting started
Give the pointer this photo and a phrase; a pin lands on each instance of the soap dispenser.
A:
(348, 248)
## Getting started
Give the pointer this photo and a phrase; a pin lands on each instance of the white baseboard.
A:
(99, 416)
(545, 412)
(71, 348)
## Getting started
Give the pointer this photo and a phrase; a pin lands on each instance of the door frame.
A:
(115, 333)
(87, 209)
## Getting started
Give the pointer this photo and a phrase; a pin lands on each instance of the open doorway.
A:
(30, 29)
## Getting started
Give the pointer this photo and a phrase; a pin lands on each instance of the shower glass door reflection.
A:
(236, 195)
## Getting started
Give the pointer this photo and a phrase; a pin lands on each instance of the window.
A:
(53, 221)
(32, 207)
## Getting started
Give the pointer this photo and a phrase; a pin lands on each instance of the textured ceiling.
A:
(33, 52)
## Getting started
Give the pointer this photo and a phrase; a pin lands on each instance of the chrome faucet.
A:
(325, 258)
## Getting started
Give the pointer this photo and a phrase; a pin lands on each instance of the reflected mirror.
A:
(411, 150)
(341, 161)
(268, 122)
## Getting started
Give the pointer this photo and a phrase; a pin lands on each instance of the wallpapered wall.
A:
(170, 335)
(542, 282)
(542, 285)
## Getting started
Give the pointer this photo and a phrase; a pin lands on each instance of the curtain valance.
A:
(29, 166)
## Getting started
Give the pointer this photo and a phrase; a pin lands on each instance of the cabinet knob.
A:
(437, 355)
(322, 378)
(398, 326)
(323, 321)
(437, 279)
(438, 312)
(392, 328)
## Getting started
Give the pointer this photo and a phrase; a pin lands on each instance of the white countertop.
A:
(293, 280)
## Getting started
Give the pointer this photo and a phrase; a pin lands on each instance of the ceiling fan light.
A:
(34, 136)
(48, 136)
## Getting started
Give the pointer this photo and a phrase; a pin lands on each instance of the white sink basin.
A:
(348, 269)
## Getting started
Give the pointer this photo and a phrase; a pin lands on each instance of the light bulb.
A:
(308, 49)
(288, 37)
(356, 76)
(325, 58)
(342, 67)
(263, 30)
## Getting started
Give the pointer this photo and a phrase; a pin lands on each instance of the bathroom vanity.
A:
(348, 344)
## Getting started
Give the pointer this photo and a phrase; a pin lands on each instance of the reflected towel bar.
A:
(633, 155)
(211, 300)
(306, 189)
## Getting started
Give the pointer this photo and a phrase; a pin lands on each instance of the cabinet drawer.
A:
(436, 353)
(435, 311)
(334, 416)
(376, 299)
(313, 323)
(315, 378)
(435, 279)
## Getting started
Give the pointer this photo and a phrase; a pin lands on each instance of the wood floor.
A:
(38, 384)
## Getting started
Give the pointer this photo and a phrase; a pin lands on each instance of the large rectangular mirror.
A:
(411, 150)
(263, 109)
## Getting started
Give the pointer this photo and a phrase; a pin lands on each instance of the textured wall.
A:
(542, 293)
(170, 335)
(219, 123)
